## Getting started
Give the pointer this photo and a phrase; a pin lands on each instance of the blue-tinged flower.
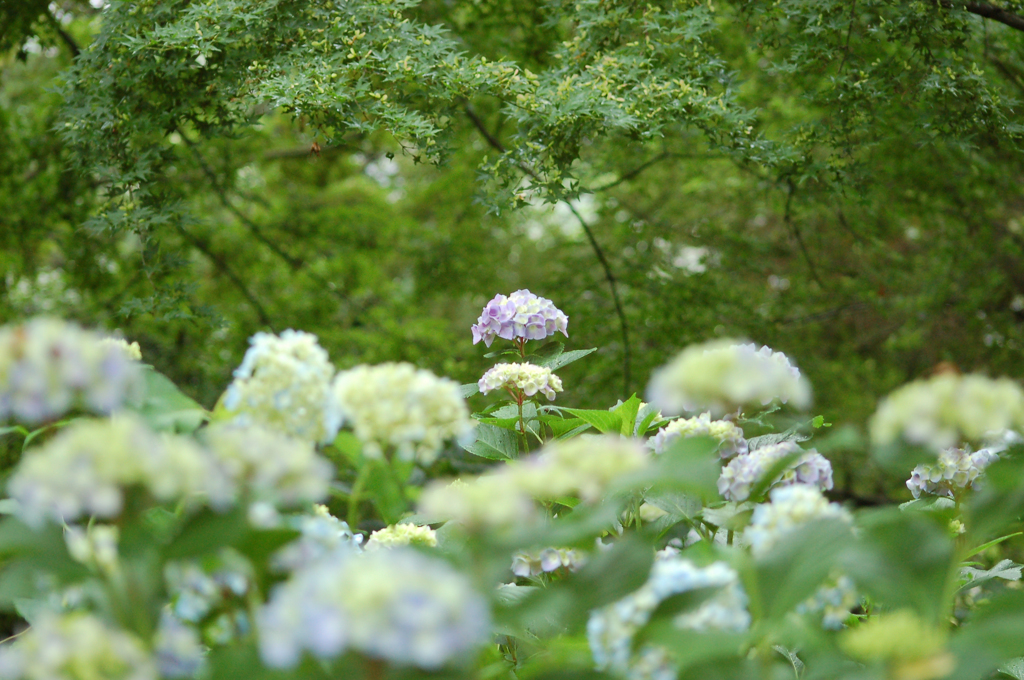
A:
(520, 316)
(398, 605)
(49, 367)
(744, 472)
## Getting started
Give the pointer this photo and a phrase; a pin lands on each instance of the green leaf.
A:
(993, 634)
(14, 429)
(982, 548)
(207, 532)
(627, 411)
(1007, 570)
(565, 358)
(494, 443)
(603, 421)
(1013, 668)
(797, 565)
(469, 389)
(166, 408)
(385, 491)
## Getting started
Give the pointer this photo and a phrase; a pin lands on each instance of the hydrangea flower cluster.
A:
(284, 382)
(911, 647)
(520, 316)
(487, 502)
(321, 534)
(835, 600)
(398, 605)
(789, 509)
(49, 367)
(611, 629)
(196, 591)
(743, 472)
(267, 465)
(583, 467)
(402, 534)
(955, 471)
(75, 646)
(85, 469)
(948, 410)
(132, 350)
(729, 435)
(399, 406)
(722, 375)
(523, 379)
(179, 653)
(535, 562)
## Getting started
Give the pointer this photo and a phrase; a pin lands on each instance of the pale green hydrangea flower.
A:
(947, 410)
(398, 605)
(722, 376)
(955, 471)
(265, 465)
(398, 406)
(86, 468)
(76, 647)
(284, 383)
(402, 534)
(49, 367)
(912, 648)
(729, 435)
(526, 379)
(487, 502)
(584, 467)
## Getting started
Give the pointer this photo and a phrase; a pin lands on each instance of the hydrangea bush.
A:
(367, 524)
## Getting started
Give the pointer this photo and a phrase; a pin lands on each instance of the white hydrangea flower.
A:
(722, 375)
(584, 467)
(789, 509)
(132, 351)
(525, 378)
(486, 502)
(611, 629)
(402, 534)
(743, 472)
(399, 406)
(86, 468)
(536, 562)
(284, 383)
(322, 535)
(728, 434)
(268, 466)
(49, 367)
(948, 410)
(75, 646)
(398, 605)
(955, 471)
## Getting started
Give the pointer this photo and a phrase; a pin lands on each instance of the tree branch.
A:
(787, 217)
(221, 264)
(608, 275)
(68, 40)
(984, 9)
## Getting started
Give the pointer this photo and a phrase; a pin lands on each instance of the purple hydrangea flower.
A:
(522, 315)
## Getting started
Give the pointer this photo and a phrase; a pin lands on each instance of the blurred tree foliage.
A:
(839, 179)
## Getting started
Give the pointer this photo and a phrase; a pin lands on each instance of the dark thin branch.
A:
(608, 275)
(294, 262)
(223, 267)
(787, 217)
(983, 9)
(68, 40)
(635, 172)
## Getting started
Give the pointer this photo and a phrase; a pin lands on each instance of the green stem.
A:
(354, 497)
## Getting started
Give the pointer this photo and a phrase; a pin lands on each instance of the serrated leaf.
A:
(790, 435)
(1005, 569)
(603, 421)
(565, 358)
(627, 412)
(494, 443)
(469, 389)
